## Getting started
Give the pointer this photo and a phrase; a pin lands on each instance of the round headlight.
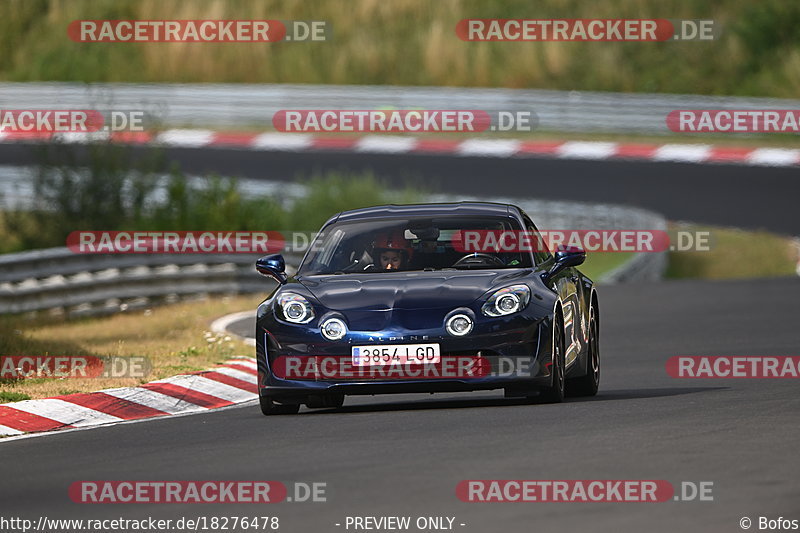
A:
(333, 329)
(459, 325)
(294, 308)
(507, 304)
(294, 311)
(507, 301)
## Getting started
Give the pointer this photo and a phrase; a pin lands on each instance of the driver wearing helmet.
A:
(391, 251)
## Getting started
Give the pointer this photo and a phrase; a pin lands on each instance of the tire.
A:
(555, 392)
(269, 408)
(588, 384)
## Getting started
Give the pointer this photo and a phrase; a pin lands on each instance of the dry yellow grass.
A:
(174, 338)
(736, 254)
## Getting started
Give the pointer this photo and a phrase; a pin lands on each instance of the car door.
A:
(566, 284)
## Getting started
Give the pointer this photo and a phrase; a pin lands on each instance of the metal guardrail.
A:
(238, 105)
(88, 284)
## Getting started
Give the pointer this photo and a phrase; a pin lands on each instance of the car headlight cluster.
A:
(507, 301)
(295, 308)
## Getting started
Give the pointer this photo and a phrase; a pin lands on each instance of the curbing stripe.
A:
(635, 151)
(66, 413)
(436, 146)
(248, 377)
(540, 147)
(474, 147)
(488, 147)
(24, 421)
(586, 150)
(281, 141)
(385, 144)
(234, 139)
(210, 387)
(188, 395)
(727, 153)
(334, 143)
(5, 430)
(186, 138)
(232, 383)
(110, 405)
(153, 399)
(687, 153)
(247, 366)
(774, 157)
(242, 368)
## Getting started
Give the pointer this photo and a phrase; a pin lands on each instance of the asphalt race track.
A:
(404, 455)
(722, 194)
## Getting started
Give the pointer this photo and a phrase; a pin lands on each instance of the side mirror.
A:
(272, 266)
(565, 257)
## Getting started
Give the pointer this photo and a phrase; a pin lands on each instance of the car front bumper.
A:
(514, 354)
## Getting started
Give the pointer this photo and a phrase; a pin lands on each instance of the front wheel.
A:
(269, 407)
(587, 385)
(555, 392)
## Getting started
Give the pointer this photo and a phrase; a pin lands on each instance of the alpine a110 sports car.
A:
(427, 298)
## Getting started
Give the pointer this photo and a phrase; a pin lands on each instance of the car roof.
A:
(432, 210)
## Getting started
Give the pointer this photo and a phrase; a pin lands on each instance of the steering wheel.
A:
(479, 259)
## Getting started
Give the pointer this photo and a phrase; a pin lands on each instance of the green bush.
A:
(102, 186)
(111, 188)
(332, 193)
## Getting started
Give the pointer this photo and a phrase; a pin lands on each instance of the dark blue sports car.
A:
(427, 298)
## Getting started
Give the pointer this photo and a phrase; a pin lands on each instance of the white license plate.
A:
(396, 354)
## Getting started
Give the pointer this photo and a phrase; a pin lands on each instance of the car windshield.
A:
(412, 244)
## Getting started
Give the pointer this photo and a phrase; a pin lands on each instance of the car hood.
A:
(405, 290)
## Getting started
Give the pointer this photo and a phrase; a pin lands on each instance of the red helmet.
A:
(393, 241)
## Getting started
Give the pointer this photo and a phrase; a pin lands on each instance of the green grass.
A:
(736, 254)
(599, 263)
(8, 396)
(413, 42)
(733, 254)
